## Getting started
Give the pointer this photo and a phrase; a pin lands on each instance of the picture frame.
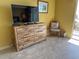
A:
(43, 7)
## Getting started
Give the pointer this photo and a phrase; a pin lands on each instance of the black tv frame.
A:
(22, 6)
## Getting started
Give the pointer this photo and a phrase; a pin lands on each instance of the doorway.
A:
(75, 34)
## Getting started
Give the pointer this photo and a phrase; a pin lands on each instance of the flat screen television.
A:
(25, 14)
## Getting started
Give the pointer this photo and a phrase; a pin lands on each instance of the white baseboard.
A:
(5, 47)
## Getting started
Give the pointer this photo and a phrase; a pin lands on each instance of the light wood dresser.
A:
(27, 35)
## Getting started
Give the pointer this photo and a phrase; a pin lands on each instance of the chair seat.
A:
(55, 30)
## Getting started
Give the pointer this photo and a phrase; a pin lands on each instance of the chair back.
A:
(55, 25)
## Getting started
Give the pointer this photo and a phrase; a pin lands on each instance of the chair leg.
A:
(59, 34)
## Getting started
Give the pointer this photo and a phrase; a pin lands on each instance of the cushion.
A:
(54, 25)
(57, 30)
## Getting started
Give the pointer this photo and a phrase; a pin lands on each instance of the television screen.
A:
(25, 14)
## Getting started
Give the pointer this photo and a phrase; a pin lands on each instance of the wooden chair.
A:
(55, 28)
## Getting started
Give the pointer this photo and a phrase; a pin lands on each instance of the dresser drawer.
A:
(20, 37)
(25, 40)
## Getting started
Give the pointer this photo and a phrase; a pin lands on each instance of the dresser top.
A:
(26, 24)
